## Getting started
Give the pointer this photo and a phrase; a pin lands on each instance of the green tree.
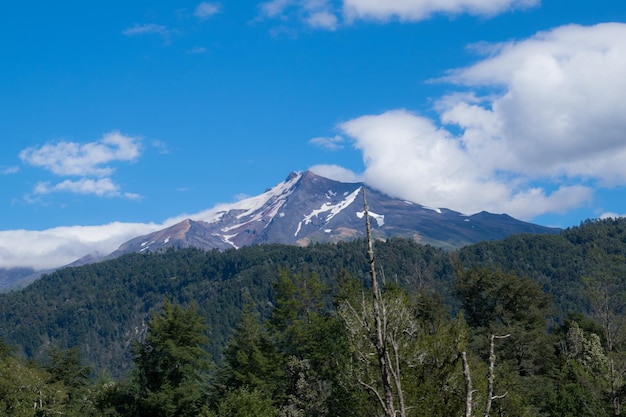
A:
(171, 364)
(606, 289)
(496, 303)
(26, 391)
(244, 402)
(251, 359)
(584, 380)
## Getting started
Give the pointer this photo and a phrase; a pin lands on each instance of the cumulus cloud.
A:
(71, 158)
(322, 20)
(415, 10)
(560, 107)
(275, 8)
(326, 14)
(318, 14)
(409, 157)
(205, 10)
(551, 113)
(100, 187)
(335, 172)
(92, 162)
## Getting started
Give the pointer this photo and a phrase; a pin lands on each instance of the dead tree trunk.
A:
(491, 375)
(380, 324)
(469, 391)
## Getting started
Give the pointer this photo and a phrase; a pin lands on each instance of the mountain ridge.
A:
(308, 208)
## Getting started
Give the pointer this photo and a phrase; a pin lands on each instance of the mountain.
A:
(11, 278)
(309, 208)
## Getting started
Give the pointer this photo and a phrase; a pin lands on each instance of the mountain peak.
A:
(307, 208)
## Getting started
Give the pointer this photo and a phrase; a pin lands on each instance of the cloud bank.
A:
(553, 114)
(62, 245)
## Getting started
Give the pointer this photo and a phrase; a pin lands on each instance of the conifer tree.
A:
(171, 364)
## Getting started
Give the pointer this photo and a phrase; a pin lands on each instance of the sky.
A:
(118, 118)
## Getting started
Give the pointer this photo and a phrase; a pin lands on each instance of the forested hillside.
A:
(527, 326)
(596, 250)
(103, 307)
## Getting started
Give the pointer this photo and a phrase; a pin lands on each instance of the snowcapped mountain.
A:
(309, 208)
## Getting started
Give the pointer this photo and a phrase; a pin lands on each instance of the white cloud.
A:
(274, 8)
(150, 29)
(611, 215)
(548, 130)
(409, 157)
(327, 14)
(55, 247)
(559, 107)
(319, 14)
(146, 28)
(335, 172)
(322, 20)
(333, 144)
(100, 187)
(62, 245)
(91, 162)
(415, 10)
(205, 10)
(75, 159)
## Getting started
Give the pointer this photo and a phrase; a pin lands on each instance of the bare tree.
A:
(380, 323)
(469, 390)
(491, 375)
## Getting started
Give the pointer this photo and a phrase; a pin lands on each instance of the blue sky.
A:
(118, 117)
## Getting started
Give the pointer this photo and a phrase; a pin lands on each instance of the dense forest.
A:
(526, 326)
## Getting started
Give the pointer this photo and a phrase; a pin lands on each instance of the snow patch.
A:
(331, 209)
(328, 230)
(380, 218)
(436, 210)
(227, 239)
(253, 205)
(167, 239)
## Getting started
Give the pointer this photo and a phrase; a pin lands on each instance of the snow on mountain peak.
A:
(333, 210)
(253, 204)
